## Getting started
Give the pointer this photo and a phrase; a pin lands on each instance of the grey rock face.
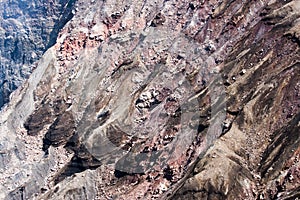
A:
(143, 99)
(27, 29)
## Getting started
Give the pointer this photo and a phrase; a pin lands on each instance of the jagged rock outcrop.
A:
(28, 29)
(160, 100)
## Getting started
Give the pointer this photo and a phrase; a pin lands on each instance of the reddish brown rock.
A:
(161, 100)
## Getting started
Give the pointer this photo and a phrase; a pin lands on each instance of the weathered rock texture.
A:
(27, 29)
(160, 100)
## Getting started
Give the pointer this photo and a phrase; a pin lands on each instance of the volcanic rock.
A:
(160, 100)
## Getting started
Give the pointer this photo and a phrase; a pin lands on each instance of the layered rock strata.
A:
(160, 100)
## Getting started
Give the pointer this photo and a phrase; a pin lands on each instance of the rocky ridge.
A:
(160, 99)
(28, 29)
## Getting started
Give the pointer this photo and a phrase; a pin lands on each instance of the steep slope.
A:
(258, 157)
(160, 99)
(28, 29)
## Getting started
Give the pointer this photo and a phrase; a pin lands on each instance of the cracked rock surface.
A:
(27, 30)
(160, 100)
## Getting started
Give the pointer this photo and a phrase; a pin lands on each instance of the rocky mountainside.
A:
(27, 29)
(160, 100)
